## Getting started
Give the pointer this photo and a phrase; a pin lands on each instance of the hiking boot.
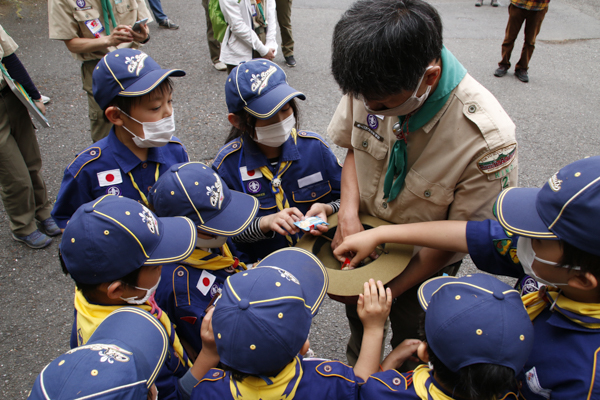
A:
(35, 240)
(521, 75)
(50, 228)
(500, 72)
(168, 24)
(290, 61)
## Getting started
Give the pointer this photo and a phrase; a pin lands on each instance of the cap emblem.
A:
(285, 274)
(216, 193)
(555, 183)
(149, 220)
(136, 63)
(259, 82)
(107, 352)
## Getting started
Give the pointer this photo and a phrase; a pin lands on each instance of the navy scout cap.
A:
(196, 191)
(567, 207)
(110, 237)
(260, 87)
(475, 319)
(127, 73)
(120, 361)
(263, 316)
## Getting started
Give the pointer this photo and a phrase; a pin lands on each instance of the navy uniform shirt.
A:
(563, 362)
(313, 379)
(314, 176)
(104, 167)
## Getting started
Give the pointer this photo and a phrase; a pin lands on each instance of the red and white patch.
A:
(109, 178)
(248, 175)
(205, 282)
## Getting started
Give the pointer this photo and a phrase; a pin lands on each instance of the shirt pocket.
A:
(124, 7)
(422, 200)
(370, 156)
(81, 16)
(312, 193)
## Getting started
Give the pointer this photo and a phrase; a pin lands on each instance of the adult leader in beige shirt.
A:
(409, 104)
(90, 32)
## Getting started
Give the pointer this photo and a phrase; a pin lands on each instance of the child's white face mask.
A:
(156, 134)
(211, 243)
(275, 135)
(526, 256)
(149, 293)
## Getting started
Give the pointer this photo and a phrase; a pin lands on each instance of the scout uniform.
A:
(457, 162)
(69, 19)
(313, 175)
(24, 192)
(109, 167)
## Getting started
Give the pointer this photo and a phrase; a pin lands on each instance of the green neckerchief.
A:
(452, 73)
(106, 12)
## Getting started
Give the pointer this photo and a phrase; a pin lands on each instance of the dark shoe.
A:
(521, 75)
(479, 3)
(168, 24)
(35, 240)
(494, 3)
(500, 72)
(50, 228)
(290, 61)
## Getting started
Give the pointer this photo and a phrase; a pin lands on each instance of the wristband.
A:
(147, 39)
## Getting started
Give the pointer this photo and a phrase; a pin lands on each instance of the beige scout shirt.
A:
(7, 47)
(458, 162)
(67, 20)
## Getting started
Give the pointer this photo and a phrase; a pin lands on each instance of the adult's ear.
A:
(114, 115)
(432, 75)
(583, 281)
(422, 352)
(234, 120)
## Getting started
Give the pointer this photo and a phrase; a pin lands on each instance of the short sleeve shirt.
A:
(7, 47)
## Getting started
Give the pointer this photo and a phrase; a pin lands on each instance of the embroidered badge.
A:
(371, 131)
(248, 175)
(205, 282)
(149, 220)
(113, 190)
(534, 384)
(216, 192)
(259, 82)
(80, 3)
(214, 289)
(498, 159)
(285, 274)
(136, 63)
(372, 121)
(109, 178)
(254, 187)
(502, 245)
(555, 183)
(107, 352)
(528, 285)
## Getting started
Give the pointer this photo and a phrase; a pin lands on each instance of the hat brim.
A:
(178, 241)
(516, 211)
(268, 104)
(235, 218)
(147, 83)
(389, 265)
(429, 287)
(307, 268)
(140, 333)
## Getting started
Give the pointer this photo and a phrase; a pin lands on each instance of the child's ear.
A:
(234, 120)
(583, 281)
(422, 352)
(114, 115)
(115, 290)
(305, 347)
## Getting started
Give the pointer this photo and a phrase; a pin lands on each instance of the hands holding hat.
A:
(358, 246)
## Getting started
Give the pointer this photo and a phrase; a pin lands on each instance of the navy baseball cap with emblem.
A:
(567, 207)
(110, 237)
(127, 73)
(196, 191)
(475, 319)
(260, 87)
(263, 317)
(121, 360)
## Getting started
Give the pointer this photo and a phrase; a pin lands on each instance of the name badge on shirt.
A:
(95, 26)
(253, 10)
(109, 178)
(309, 180)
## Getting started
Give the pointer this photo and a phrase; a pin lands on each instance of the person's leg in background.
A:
(284, 19)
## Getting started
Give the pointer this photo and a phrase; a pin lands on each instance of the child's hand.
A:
(282, 222)
(320, 210)
(357, 247)
(401, 353)
(374, 305)
(209, 346)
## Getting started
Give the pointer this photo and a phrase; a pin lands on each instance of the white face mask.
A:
(213, 243)
(156, 134)
(410, 105)
(275, 135)
(149, 293)
(526, 256)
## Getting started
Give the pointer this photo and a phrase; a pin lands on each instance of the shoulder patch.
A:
(498, 160)
(213, 375)
(82, 159)
(226, 150)
(313, 135)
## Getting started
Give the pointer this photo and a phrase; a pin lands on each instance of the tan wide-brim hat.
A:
(391, 262)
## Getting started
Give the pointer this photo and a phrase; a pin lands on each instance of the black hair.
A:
(383, 47)
(240, 376)
(248, 122)
(88, 289)
(475, 381)
(575, 257)
(126, 103)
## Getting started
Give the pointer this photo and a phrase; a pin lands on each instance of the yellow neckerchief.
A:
(584, 314)
(142, 195)
(213, 262)
(89, 316)
(424, 387)
(283, 386)
(276, 188)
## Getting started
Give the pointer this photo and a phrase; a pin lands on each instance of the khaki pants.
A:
(533, 23)
(98, 126)
(24, 192)
(284, 19)
(214, 47)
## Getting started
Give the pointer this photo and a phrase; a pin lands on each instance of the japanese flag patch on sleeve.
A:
(108, 178)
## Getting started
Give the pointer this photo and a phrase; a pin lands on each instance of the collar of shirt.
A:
(256, 159)
(126, 159)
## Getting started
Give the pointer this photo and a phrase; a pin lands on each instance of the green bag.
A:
(219, 25)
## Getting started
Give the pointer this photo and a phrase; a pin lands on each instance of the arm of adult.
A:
(122, 34)
(242, 31)
(271, 41)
